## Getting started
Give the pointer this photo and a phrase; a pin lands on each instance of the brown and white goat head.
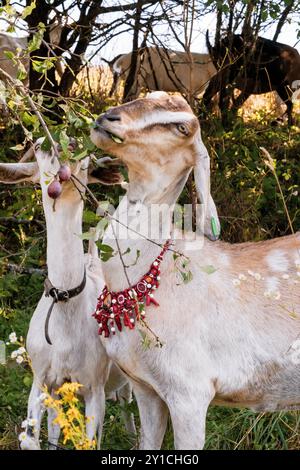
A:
(159, 139)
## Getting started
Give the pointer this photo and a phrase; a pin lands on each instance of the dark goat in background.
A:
(253, 66)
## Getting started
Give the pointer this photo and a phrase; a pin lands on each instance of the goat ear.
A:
(106, 172)
(209, 216)
(11, 173)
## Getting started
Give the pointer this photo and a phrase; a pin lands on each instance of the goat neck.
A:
(138, 244)
(65, 256)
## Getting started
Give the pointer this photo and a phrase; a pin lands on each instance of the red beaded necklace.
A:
(129, 304)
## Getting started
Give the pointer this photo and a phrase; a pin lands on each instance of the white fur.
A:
(161, 118)
(76, 353)
(278, 261)
(221, 343)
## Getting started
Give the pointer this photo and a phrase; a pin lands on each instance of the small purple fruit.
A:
(54, 189)
(64, 173)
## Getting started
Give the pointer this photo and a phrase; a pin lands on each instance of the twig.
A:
(121, 256)
(111, 217)
(270, 164)
(15, 268)
(15, 220)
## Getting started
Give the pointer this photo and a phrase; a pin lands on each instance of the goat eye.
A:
(183, 129)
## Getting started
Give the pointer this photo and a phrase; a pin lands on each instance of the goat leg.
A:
(125, 397)
(34, 415)
(53, 429)
(94, 411)
(153, 416)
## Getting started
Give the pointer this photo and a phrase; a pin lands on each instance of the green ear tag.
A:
(214, 227)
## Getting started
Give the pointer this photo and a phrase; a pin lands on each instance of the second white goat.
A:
(76, 353)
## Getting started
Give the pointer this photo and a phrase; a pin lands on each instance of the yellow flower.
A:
(73, 413)
(69, 417)
(69, 387)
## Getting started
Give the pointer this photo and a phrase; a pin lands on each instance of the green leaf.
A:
(101, 227)
(46, 145)
(186, 276)
(64, 142)
(146, 341)
(86, 236)
(30, 120)
(106, 256)
(10, 55)
(22, 72)
(208, 269)
(80, 155)
(105, 248)
(28, 10)
(27, 381)
(41, 66)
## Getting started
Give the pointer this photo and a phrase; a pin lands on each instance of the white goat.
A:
(76, 353)
(163, 69)
(229, 335)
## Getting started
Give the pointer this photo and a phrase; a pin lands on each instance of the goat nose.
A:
(98, 121)
(112, 117)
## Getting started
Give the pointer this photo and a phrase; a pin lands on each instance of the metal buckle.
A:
(65, 294)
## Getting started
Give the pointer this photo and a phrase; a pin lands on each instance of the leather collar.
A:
(59, 295)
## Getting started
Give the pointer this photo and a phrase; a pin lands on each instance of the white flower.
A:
(22, 436)
(14, 354)
(236, 282)
(21, 350)
(256, 276)
(242, 277)
(272, 294)
(21, 339)
(276, 295)
(13, 337)
(32, 422)
(24, 423)
(19, 359)
(111, 417)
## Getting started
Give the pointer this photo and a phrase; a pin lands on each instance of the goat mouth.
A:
(114, 137)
